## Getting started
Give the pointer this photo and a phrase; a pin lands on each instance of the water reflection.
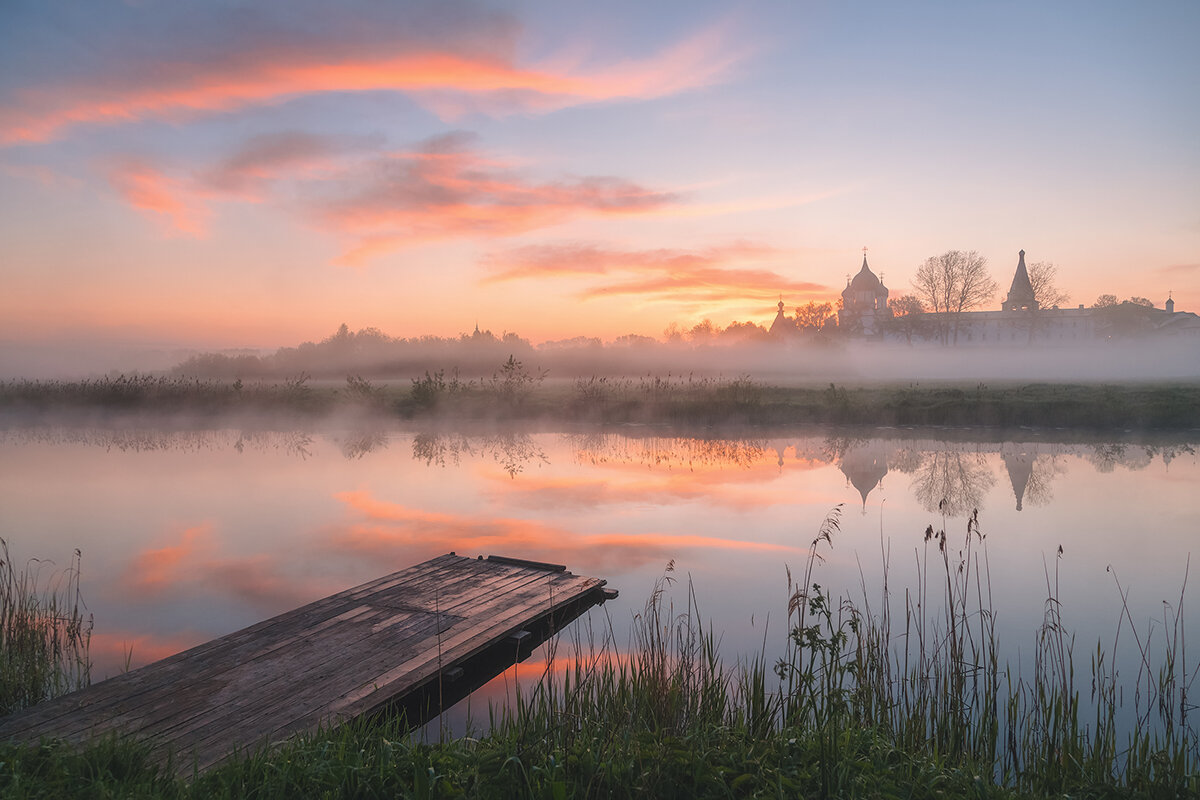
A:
(189, 534)
(667, 452)
(360, 443)
(512, 451)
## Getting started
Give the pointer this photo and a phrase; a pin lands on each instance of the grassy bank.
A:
(873, 697)
(515, 392)
(44, 632)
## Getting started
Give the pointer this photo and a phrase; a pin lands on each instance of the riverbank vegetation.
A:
(517, 391)
(44, 632)
(904, 695)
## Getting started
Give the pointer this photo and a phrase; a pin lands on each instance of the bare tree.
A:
(814, 316)
(908, 316)
(952, 283)
(1042, 277)
(1105, 301)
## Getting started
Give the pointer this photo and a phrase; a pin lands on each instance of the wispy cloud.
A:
(713, 273)
(1179, 269)
(452, 60)
(149, 189)
(249, 171)
(375, 200)
(445, 188)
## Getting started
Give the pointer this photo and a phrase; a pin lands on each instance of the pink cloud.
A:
(670, 274)
(172, 201)
(379, 201)
(465, 67)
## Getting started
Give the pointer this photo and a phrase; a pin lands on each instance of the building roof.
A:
(1020, 294)
(865, 280)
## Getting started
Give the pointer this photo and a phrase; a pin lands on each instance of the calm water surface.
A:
(190, 534)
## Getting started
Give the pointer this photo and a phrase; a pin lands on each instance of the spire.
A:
(1020, 294)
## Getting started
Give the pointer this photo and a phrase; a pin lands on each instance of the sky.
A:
(253, 174)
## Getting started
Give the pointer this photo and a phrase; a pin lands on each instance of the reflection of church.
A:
(864, 467)
(866, 464)
(1019, 465)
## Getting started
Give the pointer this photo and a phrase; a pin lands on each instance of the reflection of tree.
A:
(511, 450)
(358, 444)
(667, 452)
(149, 440)
(435, 448)
(835, 447)
(907, 460)
(1031, 476)
(1107, 456)
(956, 482)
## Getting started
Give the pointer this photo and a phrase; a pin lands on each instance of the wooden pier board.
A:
(411, 642)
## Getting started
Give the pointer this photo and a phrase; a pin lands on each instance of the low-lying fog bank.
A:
(795, 364)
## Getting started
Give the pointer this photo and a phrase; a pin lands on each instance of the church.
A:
(864, 313)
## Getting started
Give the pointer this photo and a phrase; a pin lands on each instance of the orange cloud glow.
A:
(444, 189)
(433, 73)
(111, 651)
(154, 571)
(441, 189)
(192, 565)
(147, 189)
(666, 274)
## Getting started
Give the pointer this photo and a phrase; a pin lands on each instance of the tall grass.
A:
(899, 695)
(916, 678)
(44, 633)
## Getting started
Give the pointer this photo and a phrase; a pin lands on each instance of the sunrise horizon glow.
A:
(232, 175)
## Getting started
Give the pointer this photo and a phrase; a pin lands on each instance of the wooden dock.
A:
(411, 642)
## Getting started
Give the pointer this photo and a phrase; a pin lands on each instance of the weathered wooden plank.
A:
(369, 647)
(305, 690)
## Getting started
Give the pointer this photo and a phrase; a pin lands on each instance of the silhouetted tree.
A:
(815, 317)
(1042, 277)
(908, 317)
(952, 283)
(1105, 301)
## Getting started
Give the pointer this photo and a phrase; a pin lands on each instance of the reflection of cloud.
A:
(154, 571)
(391, 531)
(111, 650)
(191, 565)
(451, 59)
(714, 272)
(635, 488)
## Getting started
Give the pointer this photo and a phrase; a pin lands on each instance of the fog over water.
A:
(1170, 358)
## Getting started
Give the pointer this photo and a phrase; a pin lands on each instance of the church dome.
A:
(865, 291)
(865, 280)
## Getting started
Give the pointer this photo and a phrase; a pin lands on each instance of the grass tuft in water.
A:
(44, 632)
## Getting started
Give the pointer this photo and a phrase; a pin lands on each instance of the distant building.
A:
(782, 326)
(1020, 320)
(864, 310)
